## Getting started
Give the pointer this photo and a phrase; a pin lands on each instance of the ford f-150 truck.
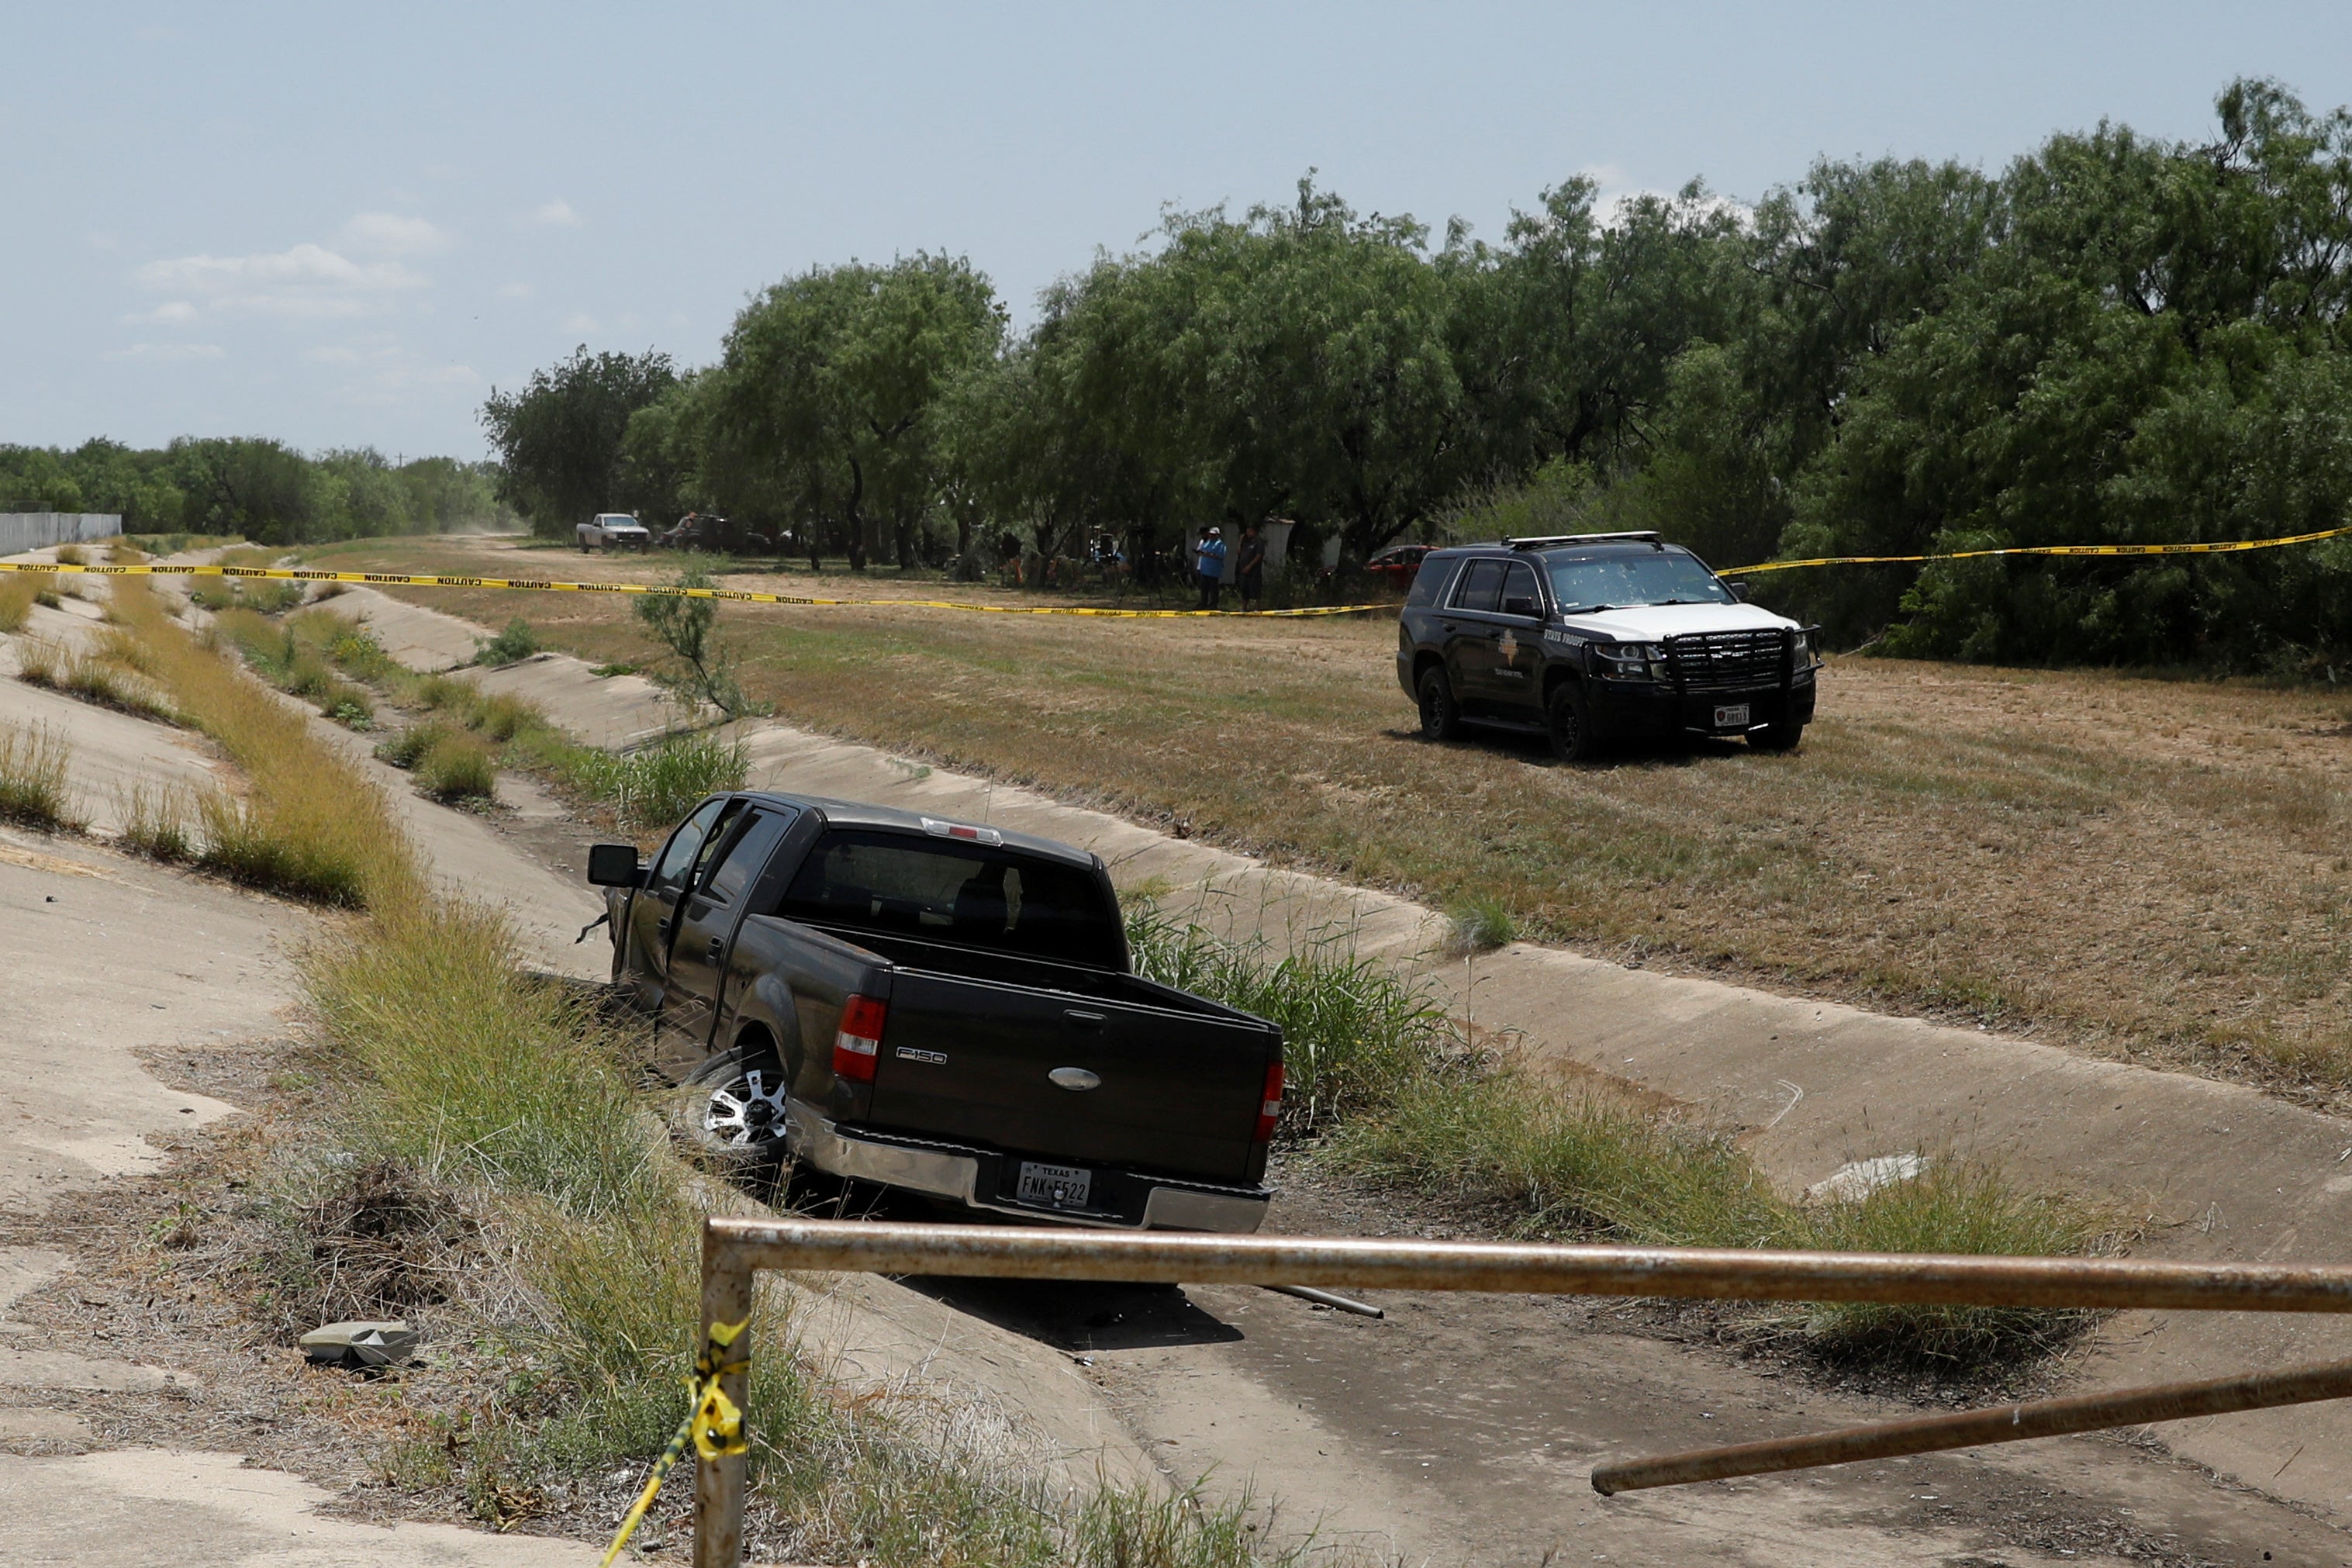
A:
(613, 530)
(939, 1008)
(1592, 638)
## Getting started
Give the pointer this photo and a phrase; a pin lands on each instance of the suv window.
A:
(1519, 596)
(1429, 586)
(967, 894)
(1482, 586)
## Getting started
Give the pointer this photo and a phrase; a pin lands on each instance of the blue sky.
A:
(343, 225)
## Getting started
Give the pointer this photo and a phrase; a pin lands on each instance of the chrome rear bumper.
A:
(945, 1170)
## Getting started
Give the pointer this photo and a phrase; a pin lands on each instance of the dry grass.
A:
(158, 821)
(17, 589)
(35, 787)
(312, 825)
(71, 555)
(2175, 856)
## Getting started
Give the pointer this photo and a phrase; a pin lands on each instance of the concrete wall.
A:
(23, 530)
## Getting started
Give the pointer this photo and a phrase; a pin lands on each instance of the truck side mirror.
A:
(614, 865)
(1739, 590)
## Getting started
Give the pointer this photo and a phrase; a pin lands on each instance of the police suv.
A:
(1590, 637)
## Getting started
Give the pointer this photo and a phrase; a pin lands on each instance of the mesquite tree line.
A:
(2117, 338)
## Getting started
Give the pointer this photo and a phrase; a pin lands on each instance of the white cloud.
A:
(389, 233)
(170, 313)
(168, 352)
(556, 214)
(581, 323)
(516, 291)
(304, 282)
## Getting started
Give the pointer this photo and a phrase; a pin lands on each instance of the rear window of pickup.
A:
(969, 894)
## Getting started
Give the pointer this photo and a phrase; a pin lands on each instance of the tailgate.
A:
(968, 1059)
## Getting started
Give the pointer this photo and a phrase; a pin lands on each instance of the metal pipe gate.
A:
(733, 1251)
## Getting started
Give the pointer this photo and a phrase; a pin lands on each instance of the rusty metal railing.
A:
(734, 1250)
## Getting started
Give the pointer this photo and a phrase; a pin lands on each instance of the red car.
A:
(1399, 565)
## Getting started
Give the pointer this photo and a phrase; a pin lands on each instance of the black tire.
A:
(1777, 738)
(736, 1112)
(1568, 724)
(1441, 717)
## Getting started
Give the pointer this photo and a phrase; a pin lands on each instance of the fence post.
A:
(719, 1483)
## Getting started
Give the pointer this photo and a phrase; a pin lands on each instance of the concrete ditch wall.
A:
(23, 530)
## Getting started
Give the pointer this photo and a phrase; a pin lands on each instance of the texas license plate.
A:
(1734, 717)
(1055, 1186)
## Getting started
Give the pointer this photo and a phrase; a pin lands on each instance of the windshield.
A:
(1626, 579)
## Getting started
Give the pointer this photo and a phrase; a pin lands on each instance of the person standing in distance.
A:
(1209, 563)
(1249, 568)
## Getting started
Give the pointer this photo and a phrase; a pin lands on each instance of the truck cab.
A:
(1594, 637)
(613, 530)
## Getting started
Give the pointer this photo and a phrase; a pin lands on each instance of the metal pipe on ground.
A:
(1326, 1299)
(1979, 1428)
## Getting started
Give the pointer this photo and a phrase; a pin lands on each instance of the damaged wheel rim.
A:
(747, 1112)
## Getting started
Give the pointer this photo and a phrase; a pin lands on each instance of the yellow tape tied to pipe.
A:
(733, 596)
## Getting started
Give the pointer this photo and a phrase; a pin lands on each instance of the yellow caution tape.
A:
(734, 595)
(714, 1426)
(2041, 549)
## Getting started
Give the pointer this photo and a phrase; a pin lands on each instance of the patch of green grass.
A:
(512, 646)
(157, 821)
(36, 789)
(403, 750)
(648, 788)
(1482, 923)
(458, 767)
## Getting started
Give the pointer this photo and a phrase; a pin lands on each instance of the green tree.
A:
(558, 438)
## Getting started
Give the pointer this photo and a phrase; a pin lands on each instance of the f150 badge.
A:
(909, 1054)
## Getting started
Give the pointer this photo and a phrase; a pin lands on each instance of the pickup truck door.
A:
(705, 928)
(651, 911)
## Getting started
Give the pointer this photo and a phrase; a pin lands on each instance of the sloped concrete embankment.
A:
(2225, 1172)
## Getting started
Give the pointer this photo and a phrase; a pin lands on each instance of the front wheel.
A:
(738, 1107)
(1441, 719)
(1777, 738)
(1568, 724)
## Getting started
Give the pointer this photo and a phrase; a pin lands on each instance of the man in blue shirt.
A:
(1209, 563)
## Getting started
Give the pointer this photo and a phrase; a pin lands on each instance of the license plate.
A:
(1734, 717)
(1055, 1186)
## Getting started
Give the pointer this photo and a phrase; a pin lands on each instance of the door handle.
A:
(1084, 1020)
(661, 928)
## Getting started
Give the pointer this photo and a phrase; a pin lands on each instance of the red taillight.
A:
(858, 1042)
(1269, 1109)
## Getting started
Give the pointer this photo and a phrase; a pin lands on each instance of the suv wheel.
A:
(1441, 719)
(1565, 721)
(1777, 738)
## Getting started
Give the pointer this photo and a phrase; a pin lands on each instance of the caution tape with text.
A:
(2225, 549)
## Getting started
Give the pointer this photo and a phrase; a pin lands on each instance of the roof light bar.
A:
(1645, 536)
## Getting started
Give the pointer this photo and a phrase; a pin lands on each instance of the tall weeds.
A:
(35, 790)
(311, 824)
(1391, 1096)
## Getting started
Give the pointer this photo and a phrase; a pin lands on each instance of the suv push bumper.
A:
(982, 1179)
(1629, 710)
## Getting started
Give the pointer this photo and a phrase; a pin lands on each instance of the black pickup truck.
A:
(939, 1008)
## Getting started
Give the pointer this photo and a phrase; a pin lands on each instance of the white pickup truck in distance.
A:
(615, 531)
